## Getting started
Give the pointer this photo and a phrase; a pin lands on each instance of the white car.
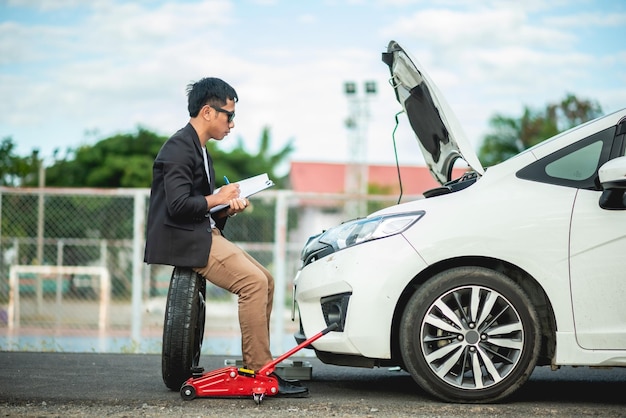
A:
(492, 274)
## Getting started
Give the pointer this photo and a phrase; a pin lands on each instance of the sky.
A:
(73, 72)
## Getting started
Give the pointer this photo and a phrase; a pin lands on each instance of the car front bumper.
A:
(359, 287)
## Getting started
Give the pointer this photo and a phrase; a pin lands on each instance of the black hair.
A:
(211, 91)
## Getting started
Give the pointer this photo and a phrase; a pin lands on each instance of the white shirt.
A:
(208, 176)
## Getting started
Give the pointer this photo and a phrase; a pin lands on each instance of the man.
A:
(182, 231)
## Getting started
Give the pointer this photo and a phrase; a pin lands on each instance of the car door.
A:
(598, 273)
(598, 257)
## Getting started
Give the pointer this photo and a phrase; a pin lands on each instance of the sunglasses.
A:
(229, 114)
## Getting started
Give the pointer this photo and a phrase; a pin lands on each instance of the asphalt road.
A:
(124, 385)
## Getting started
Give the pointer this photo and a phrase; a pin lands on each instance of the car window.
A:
(575, 165)
(579, 165)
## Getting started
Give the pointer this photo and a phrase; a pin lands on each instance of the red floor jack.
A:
(235, 381)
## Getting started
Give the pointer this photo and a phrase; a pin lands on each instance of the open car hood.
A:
(438, 131)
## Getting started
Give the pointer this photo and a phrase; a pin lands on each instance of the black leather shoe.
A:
(290, 388)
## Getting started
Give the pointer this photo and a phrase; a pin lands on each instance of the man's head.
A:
(208, 91)
(211, 105)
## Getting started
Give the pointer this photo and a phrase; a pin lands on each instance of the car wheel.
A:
(470, 335)
(183, 327)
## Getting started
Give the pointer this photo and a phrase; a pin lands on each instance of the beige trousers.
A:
(231, 268)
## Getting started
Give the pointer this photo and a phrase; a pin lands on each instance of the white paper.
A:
(247, 188)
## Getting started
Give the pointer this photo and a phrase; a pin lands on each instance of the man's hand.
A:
(237, 205)
(228, 192)
(223, 196)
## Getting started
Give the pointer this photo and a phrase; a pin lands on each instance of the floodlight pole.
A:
(356, 180)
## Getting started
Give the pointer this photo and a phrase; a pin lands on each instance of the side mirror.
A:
(612, 176)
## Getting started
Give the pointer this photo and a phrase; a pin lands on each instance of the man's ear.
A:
(207, 113)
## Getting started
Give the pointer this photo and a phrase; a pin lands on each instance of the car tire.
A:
(183, 327)
(470, 335)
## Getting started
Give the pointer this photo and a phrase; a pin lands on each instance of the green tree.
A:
(123, 160)
(15, 170)
(509, 136)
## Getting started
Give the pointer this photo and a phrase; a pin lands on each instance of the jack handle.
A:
(269, 367)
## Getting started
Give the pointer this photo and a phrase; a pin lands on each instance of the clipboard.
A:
(247, 188)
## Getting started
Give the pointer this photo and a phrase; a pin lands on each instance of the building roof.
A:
(318, 177)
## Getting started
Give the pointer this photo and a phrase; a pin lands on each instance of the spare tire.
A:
(183, 327)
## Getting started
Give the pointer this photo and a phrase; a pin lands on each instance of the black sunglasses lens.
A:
(229, 115)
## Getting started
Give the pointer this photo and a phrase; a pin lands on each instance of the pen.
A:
(226, 180)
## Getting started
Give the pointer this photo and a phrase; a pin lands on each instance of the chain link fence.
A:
(72, 276)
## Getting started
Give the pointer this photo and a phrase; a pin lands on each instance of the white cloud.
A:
(587, 20)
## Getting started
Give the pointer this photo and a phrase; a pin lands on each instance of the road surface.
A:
(124, 385)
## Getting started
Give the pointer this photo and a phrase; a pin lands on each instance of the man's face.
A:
(221, 119)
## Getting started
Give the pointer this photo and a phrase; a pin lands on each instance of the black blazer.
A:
(178, 232)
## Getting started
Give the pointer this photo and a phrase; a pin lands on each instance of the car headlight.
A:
(362, 230)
